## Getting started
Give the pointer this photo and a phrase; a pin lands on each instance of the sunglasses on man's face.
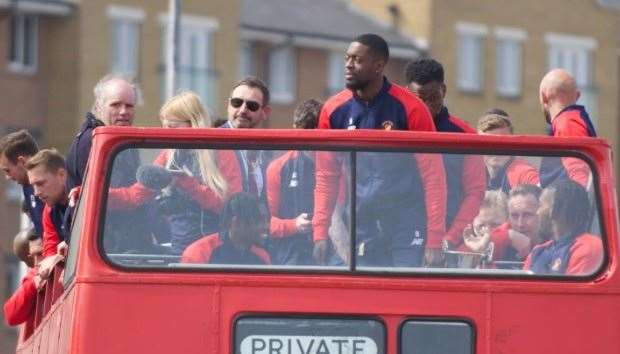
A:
(253, 106)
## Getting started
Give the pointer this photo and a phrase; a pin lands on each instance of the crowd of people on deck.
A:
(257, 207)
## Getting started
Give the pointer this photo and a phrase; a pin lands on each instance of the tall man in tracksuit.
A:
(465, 176)
(558, 96)
(400, 197)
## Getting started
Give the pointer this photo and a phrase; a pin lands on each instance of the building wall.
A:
(435, 21)
(415, 15)
(537, 19)
(94, 44)
(72, 56)
(23, 96)
(311, 79)
(23, 104)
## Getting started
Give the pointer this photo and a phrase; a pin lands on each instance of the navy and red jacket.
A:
(515, 172)
(290, 189)
(581, 255)
(20, 307)
(465, 180)
(421, 177)
(212, 249)
(53, 228)
(34, 208)
(572, 121)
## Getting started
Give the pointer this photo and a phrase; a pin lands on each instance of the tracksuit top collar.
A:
(383, 92)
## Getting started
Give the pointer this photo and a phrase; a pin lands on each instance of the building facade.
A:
(52, 52)
(297, 47)
(496, 52)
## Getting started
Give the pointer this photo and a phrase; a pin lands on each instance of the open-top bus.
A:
(115, 300)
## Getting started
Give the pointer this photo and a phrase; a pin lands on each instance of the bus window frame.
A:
(352, 150)
(75, 234)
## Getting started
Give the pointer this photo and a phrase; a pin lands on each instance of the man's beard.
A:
(357, 85)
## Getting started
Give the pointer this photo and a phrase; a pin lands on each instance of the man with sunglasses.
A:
(248, 108)
(248, 105)
(400, 198)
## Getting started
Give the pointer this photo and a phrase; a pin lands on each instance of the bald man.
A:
(558, 96)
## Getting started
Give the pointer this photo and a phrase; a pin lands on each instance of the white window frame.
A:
(470, 68)
(282, 73)
(125, 55)
(576, 55)
(20, 42)
(335, 72)
(192, 28)
(509, 61)
(247, 65)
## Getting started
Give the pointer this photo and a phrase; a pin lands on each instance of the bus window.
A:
(222, 208)
(361, 211)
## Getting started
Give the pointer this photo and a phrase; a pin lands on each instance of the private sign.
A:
(308, 345)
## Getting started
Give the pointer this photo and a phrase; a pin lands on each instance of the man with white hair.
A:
(115, 100)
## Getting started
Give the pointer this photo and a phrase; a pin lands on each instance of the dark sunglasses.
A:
(253, 106)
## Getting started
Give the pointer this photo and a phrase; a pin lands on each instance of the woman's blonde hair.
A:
(187, 107)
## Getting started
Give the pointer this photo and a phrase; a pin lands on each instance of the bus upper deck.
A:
(341, 247)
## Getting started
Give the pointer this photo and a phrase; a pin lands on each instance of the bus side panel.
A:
(146, 318)
(68, 311)
(563, 323)
(391, 307)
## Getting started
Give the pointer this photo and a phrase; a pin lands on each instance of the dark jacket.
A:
(77, 156)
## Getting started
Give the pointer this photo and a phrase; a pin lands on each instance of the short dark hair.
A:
(254, 82)
(50, 159)
(571, 207)
(306, 115)
(526, 189)
(378, 46)
(424, 70)
(243, 205)
(19, 143)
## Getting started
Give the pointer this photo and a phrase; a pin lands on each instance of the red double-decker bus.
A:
(116, 297)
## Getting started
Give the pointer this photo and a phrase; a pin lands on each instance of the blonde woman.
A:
(203, 179)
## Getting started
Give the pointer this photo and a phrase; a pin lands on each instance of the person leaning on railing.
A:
(20, 307)
(47, 174)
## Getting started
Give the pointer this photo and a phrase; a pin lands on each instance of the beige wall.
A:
(94, 46)
(416, 19)
(537, 19)
(23, 97)
(72, 56)
(311, 80)
(435, 21)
